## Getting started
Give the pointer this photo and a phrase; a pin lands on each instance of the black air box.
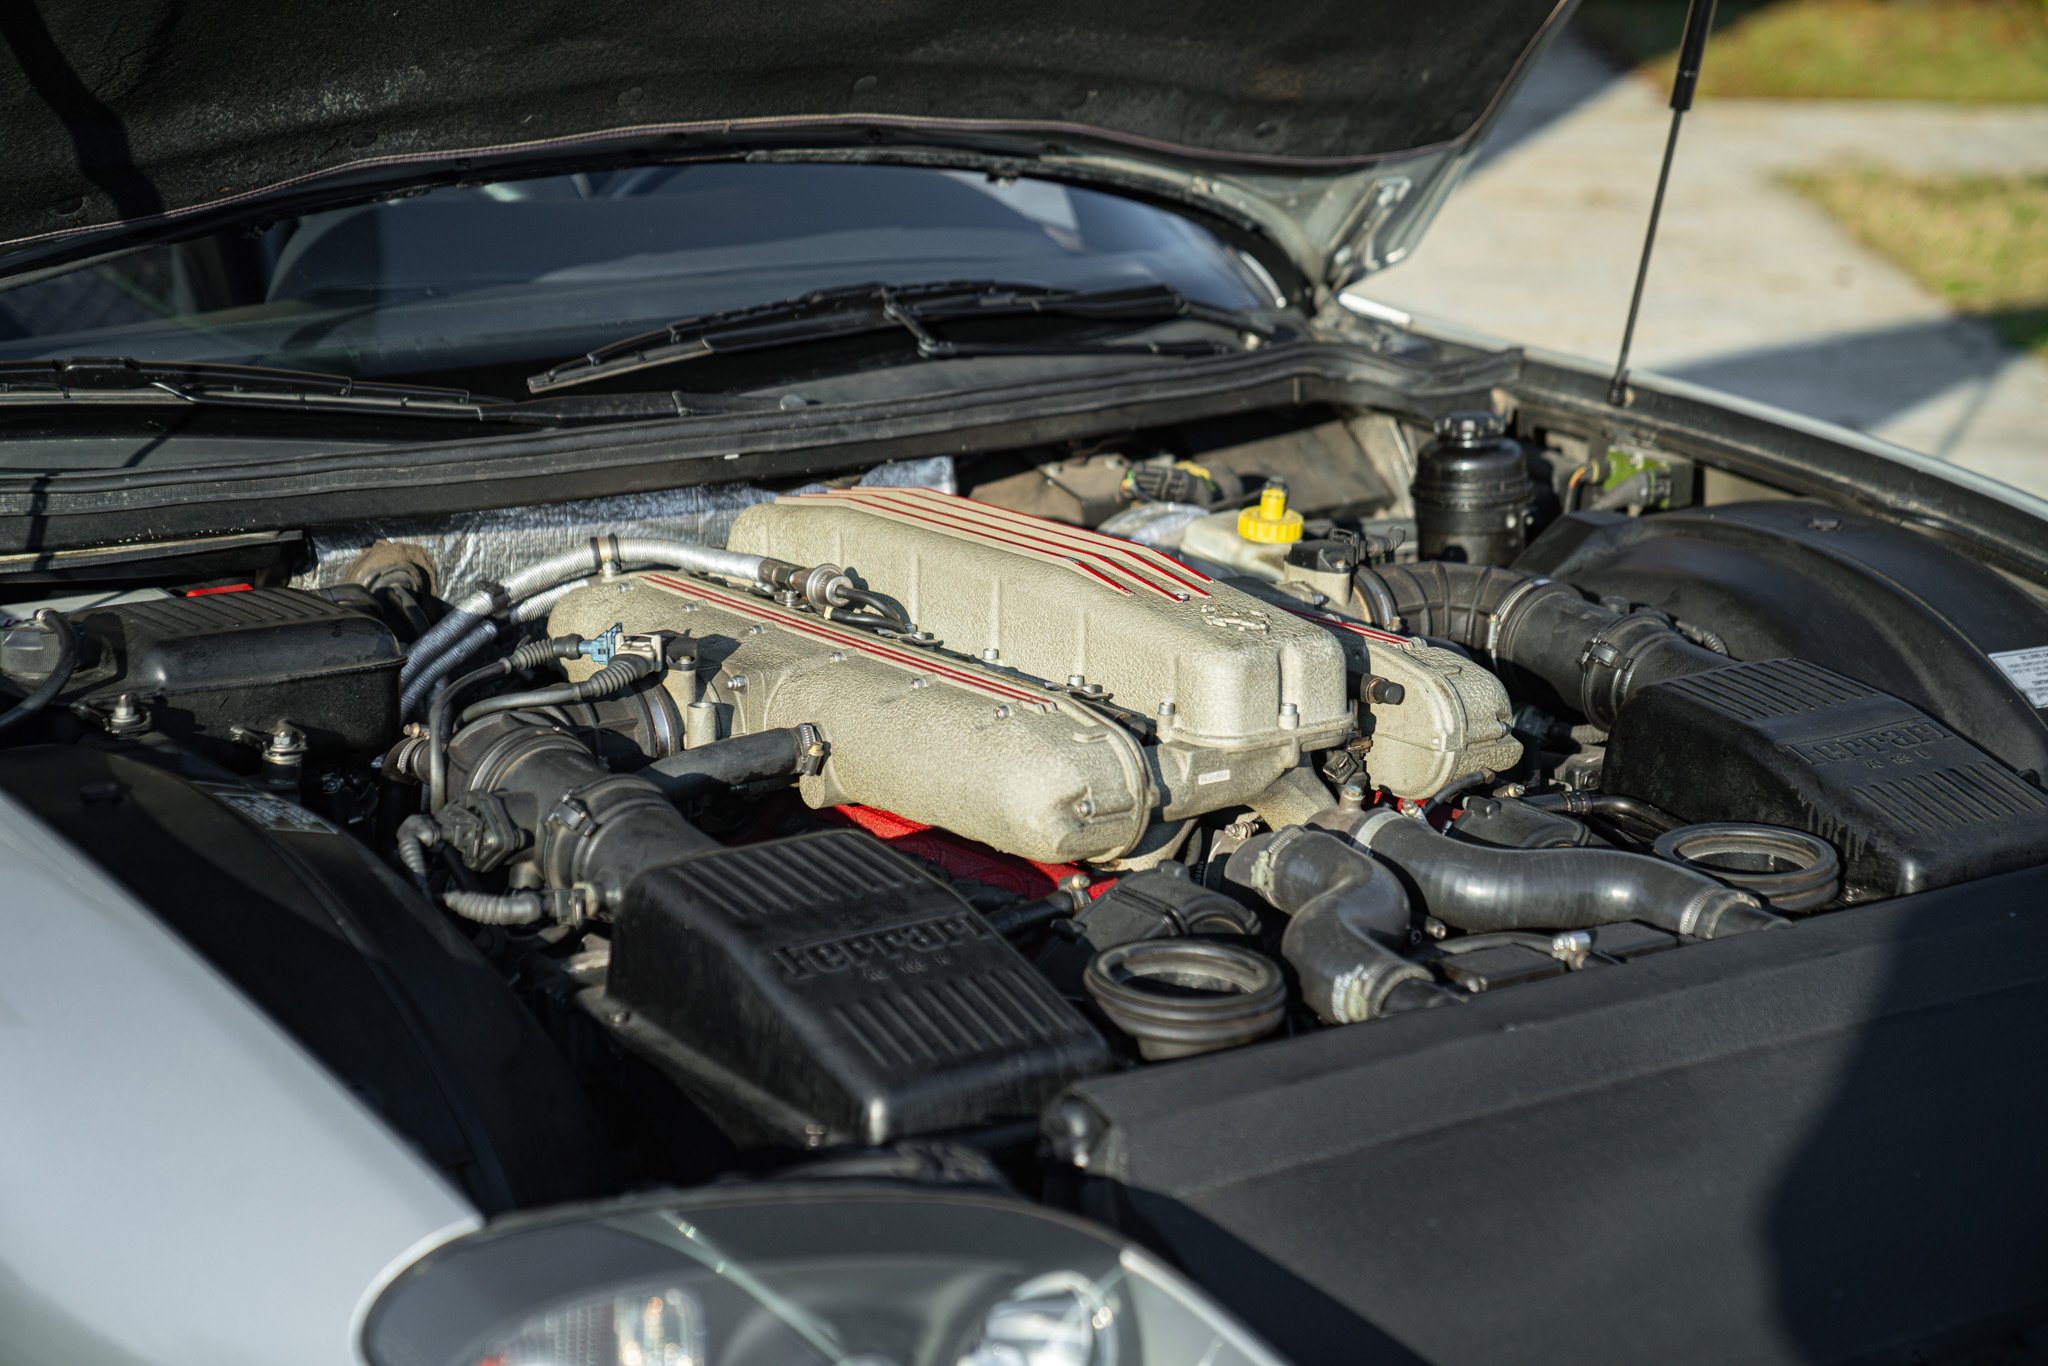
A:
(1910, 804)
(1795, 579)
(822, 990)
(207, 664)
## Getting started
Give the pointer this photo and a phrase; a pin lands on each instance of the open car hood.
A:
(1333, 128)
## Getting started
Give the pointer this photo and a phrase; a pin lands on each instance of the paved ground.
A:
(1753, 289)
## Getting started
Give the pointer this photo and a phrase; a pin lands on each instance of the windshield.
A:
(529, 270)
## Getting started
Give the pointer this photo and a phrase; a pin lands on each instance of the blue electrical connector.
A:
(604, 648)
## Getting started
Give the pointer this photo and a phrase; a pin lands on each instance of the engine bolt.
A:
(1075, 680)
(920, 681)
(127, 718)
(991, 654)
(737, 683)
(1084, 808)
(837, 656)
(1002, 711)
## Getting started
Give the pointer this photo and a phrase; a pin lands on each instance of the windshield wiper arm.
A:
(858, 310)
(121, 381)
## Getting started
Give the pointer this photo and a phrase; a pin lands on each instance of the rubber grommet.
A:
(1790, 870)
(1178, 997)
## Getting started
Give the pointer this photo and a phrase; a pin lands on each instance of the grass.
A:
(1963, 51)
(1980, 241)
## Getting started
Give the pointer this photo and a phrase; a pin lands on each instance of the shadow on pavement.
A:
(1860, 379)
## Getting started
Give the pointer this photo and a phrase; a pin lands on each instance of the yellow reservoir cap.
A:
(1272, 522)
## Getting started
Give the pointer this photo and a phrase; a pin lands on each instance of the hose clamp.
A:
(811, 750)
(609, 556)
(1498, 615)
(1360, 828)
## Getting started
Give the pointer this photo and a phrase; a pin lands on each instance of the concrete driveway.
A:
(1753, 290)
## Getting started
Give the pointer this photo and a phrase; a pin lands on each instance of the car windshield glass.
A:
(472, 277)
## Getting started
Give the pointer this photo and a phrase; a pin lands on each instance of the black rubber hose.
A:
(615, 677)
(584, 823)
(1591, 655)
(1028, 917)
(866, 621)
(1644, 818)
(60, 673)
(877, 604)
(1702, 637)
(1346, 913)
(1480, 888)
(416, 835)
(503, 908)
(527, 656)
(728, 763)
(1513, 823)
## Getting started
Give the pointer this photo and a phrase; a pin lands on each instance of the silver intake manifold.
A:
(1066, 690)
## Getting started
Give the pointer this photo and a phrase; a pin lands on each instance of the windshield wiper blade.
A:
(121, 381)
(857, 310)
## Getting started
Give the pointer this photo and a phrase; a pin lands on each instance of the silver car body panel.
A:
(179, 1183)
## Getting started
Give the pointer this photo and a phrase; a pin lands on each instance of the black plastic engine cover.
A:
(1815, 1145)
(1909, 804)
(317, 932)
(207, 664)
(1801, 580)
(822, 989)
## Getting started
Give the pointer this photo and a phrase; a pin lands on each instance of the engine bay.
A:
(728, 824)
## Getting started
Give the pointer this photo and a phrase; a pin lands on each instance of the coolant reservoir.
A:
(1253, 541)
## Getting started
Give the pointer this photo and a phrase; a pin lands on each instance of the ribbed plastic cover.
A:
(205, 665)
(822, 989)
(1910, 804)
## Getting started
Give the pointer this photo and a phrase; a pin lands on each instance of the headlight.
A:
(800, 1276)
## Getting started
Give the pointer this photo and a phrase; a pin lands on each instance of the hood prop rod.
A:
(1699, 18)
